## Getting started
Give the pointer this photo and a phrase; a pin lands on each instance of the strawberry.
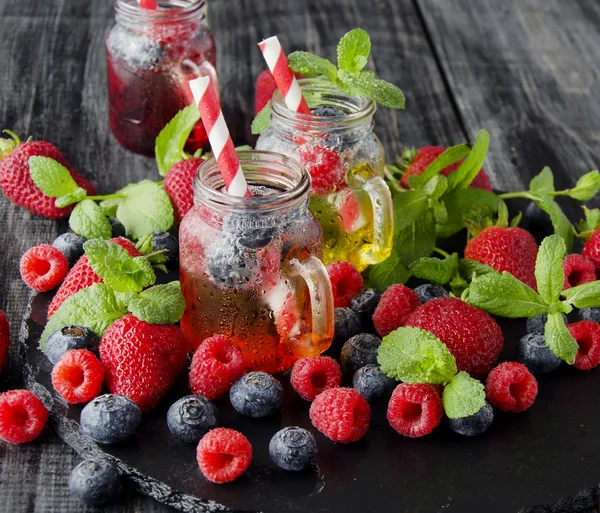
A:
(264, 89)
(16, 181)
(471, 335)
(4, 338)
(506, 249)
(178, 184)
(591, 250)
(418, 162)
(142, 360)
(82, 276)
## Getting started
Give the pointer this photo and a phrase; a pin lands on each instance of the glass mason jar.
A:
(250, 267)
(150, 56)
(346, 162)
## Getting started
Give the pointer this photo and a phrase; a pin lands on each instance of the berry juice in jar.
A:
(345, 159)
(150, 56)
(250, 268)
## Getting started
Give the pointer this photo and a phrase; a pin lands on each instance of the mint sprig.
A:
(169, 144)
(88, 220)
(463, 396)
(161, 304)
(414, 355)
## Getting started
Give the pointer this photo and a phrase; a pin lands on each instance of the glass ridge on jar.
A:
(346, 160)
(249, 266)
(150, 57)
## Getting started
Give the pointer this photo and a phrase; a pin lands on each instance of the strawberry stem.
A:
(106, 197)
(441, 252)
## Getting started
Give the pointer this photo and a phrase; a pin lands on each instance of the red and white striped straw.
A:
(222, 146)
(147, 4)
(283, 75)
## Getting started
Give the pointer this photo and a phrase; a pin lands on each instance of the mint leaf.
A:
(543, 182)
(408, 207)
(584, 296)
(353, 50)
(117, 267)
(587, 187)
(468, 268)
(449, 157)
(559, 339)
(416, 240)
(470, 167)
(310, 65)
(146, 208)
(76, 196)
(364, 83)
(459, 203)
(261, 121)
(96, 307)
(463, 396)
(52, 178)
(549, 273)
(435, 270)
(561, 224)
(88, 220)
(388, 272)
(435, 187)
(586, 227)
(506, 296)
(168, 148)
(414, 355)
(161, 304)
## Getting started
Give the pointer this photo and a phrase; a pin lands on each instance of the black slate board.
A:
(536, 457)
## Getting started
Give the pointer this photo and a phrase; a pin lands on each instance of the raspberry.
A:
(394, 308)
(223, 455)
(325, 167)
(22, 416)
(311, 375)
(415, 410)
(216, 365)
(341, 414)
(591, 249)
(511, 387)
(587, 335)
(346, 282)
(43, 267)
(578, 270)
(78, 376)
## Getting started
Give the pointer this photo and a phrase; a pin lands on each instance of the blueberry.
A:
(293, 448)
(533, 352)
(429, 292)
(95, 482)
(164, 241)
(365, 302)
(109, 418)
(256, 394)
(346, 324)
(473, 425)
(359, 351)
(70, 337)
(328, 111)
(589, 314)
(256, 238)
(536, 324)
(252, 234)
(371, 383)
(537, 221)
(228, 265)
(118, 230)
(71, 245)
(191, 417)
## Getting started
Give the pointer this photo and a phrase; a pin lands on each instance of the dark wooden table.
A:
(526, 70)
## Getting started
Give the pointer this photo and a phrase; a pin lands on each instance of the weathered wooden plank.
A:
(527, 71)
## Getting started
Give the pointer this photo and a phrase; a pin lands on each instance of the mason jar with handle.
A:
(250, 267)
(343, 155)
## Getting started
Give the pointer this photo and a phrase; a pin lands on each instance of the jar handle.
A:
(383, 213)
(313, 272)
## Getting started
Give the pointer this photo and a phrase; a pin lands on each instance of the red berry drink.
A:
(150, 56)
(250, 267)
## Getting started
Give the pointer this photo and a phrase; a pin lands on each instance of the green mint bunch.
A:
(142, 207)
(127, 287)
(349, 75)
(433, 208)
(504, 295)
(413, 355)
